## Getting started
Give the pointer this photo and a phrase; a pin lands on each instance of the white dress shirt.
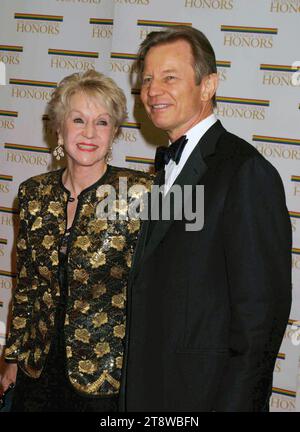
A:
(193, 135)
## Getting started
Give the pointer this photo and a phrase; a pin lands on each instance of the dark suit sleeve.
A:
(257, 243)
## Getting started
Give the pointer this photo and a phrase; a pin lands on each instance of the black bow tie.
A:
(174, 151)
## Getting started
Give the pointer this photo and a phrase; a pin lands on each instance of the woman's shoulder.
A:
(133, 176)
(38, 182)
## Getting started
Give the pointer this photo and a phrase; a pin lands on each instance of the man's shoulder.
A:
(242, 155)
(233, 145)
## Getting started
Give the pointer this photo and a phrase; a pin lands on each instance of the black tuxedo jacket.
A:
(207, 309)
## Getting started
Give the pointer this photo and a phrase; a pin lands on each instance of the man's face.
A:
(171, 98)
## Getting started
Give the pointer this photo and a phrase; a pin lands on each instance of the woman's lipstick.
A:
(86, 147)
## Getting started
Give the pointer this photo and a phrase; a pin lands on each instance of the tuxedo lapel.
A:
(144, 233)
(191, 174)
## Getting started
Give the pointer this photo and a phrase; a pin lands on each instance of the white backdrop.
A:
(256, 47)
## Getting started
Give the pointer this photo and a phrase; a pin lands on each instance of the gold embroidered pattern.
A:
(118, 301)
(118, 242)
(82, 306)
(128, 258)
(119, 362)
(23, 272)
(98, 225)
(83, 242)
(54, 258)
(37, 354)
(45, 272)
(22, 244)
(21, 298)
(117, 272)
(119, 331)
(82, 335)
(55, 208)
(37, 224)
(47, 190)
(133, 225)
(10, 350)
(93, 387)
(19, 322)
(100, 319)
(33, 254)
(48, 241)
(34, 207)
(87, 366)
(102, 348)
(81, 275)
(47, 298)
(98, 259)
(68, 351)
(98, 290)
(88, 210)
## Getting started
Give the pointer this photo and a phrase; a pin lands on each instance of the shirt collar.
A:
(197, 131)
(195, 134)
(200, 128)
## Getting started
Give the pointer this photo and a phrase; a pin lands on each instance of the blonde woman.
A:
(68, 320)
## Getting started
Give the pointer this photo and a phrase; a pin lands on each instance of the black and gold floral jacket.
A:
(99, 259)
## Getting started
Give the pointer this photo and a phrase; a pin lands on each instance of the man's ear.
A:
(209, 85)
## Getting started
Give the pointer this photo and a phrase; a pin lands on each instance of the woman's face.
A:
(87, 132)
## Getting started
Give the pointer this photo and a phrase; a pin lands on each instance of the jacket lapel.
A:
(191, 174)
(143, 236)
(193, 170)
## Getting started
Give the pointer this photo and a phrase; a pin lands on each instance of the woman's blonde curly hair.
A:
(95, 85)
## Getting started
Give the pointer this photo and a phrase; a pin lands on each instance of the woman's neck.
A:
(76, 179)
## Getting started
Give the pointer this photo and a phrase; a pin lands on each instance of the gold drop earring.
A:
(58, 152)
(109, 154)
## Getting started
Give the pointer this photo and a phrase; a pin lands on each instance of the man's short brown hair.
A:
(204, 56)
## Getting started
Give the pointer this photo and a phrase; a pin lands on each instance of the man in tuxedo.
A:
(207, 309)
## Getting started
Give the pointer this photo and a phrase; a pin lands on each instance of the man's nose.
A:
(155, 88)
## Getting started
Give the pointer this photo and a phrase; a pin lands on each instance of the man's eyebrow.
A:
(169, 70)
(163, 72)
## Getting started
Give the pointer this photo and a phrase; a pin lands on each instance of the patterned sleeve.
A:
(25, 286)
